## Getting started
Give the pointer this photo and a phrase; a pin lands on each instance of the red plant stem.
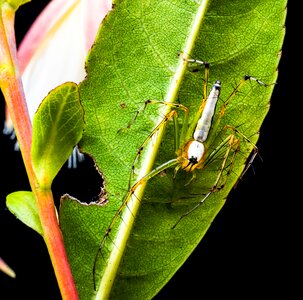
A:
(54, 241)
(11, 85)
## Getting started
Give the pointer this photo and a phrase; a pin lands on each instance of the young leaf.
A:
(135, 58)
(57, 128)
(23, 205)
(14, 3)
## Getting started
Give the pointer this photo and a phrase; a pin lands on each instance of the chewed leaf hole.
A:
(83, 183)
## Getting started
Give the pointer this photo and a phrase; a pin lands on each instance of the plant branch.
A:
(11, 85)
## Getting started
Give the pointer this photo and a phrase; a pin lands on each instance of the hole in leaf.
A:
(84, 182)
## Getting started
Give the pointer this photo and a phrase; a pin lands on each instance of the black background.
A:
(250, 249)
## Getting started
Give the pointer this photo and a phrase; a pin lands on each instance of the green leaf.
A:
(135, 58)
(57, 128)
(23, 205)
(15, 4)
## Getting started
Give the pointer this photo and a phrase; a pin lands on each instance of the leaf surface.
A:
(135, 58)
(57, 128)
(23, 205)
(14, 3)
